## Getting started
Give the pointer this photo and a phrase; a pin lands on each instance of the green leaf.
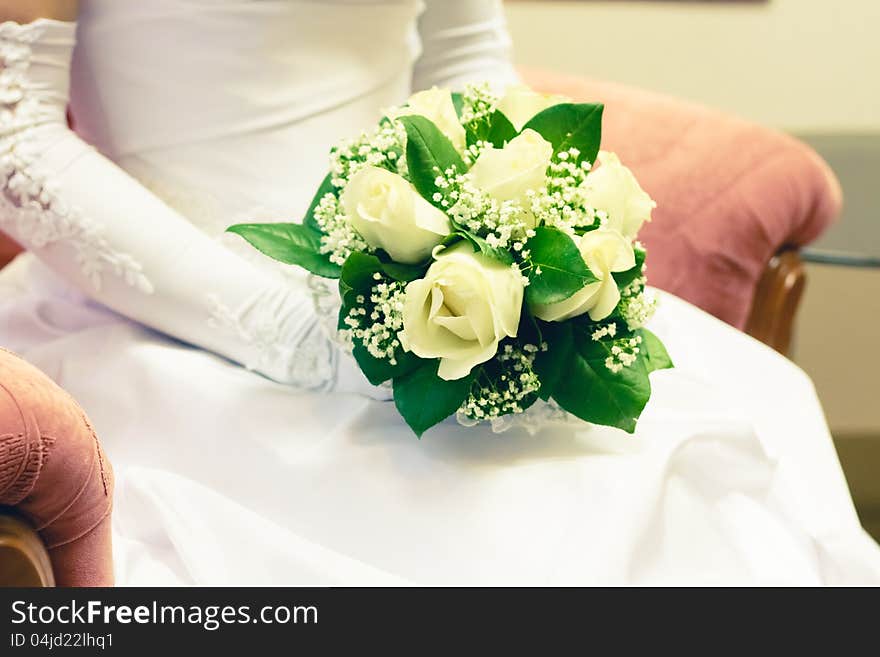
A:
(568, 125)
(326, 187)
(594, 393)
(359, 268)
(562, 268)
(457, 102)
(357, 278)
(403, 273)
(653, 352)
(357, 272)
(400, 271)
(380, 370)
(428, 154)
(495, 129)
(529, 330)
(624, 278)
(424, 399)
(292, 244)
(480, 244)
(454, 238)
(552, 364)
(501, 130)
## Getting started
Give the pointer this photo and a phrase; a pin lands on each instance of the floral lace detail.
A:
(29, 205)
(327, 303)
(40, 219)
(304, 357)
(18, 108)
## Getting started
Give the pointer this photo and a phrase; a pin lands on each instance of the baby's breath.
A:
(509, 390)
(375, 322)
(609, 330)
(478, 103)
(503, 224)
(338, 237)
(474, 151)
(563, 203)
(381, 147)
(637, 303)
(624, 352)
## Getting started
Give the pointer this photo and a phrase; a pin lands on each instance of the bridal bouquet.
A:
(486, 256)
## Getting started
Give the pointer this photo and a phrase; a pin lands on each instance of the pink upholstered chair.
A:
(57, 479)
(735, 202)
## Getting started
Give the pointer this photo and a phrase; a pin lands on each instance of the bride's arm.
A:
(463, 41)
(104, 232)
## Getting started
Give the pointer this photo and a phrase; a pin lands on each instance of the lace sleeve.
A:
(30, 207)
(104, 232)
(464, 41)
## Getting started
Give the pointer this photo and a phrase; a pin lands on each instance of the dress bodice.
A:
(228, 108)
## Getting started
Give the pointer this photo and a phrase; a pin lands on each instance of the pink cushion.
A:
(729, 193)
(53, 470)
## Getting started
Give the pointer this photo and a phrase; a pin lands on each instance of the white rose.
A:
(614, 189)
(461, 309)
(604, 251)
(520, 103)
(390, 214)
(506, 174)
(436, 105)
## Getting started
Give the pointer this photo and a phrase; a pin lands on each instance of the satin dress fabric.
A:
(227, 477)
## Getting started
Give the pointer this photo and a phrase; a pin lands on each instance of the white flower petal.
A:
(390, 214)
(520, 103)
(462, 308)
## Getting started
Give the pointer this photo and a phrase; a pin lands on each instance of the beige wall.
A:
(802, 65)
(806, 66)
(838, 344)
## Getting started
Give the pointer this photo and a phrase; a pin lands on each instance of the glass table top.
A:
(854, 240)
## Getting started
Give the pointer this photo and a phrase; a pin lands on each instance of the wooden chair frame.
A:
(776, 301)
(23, 557)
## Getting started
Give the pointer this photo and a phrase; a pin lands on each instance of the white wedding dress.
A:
(221, 111)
